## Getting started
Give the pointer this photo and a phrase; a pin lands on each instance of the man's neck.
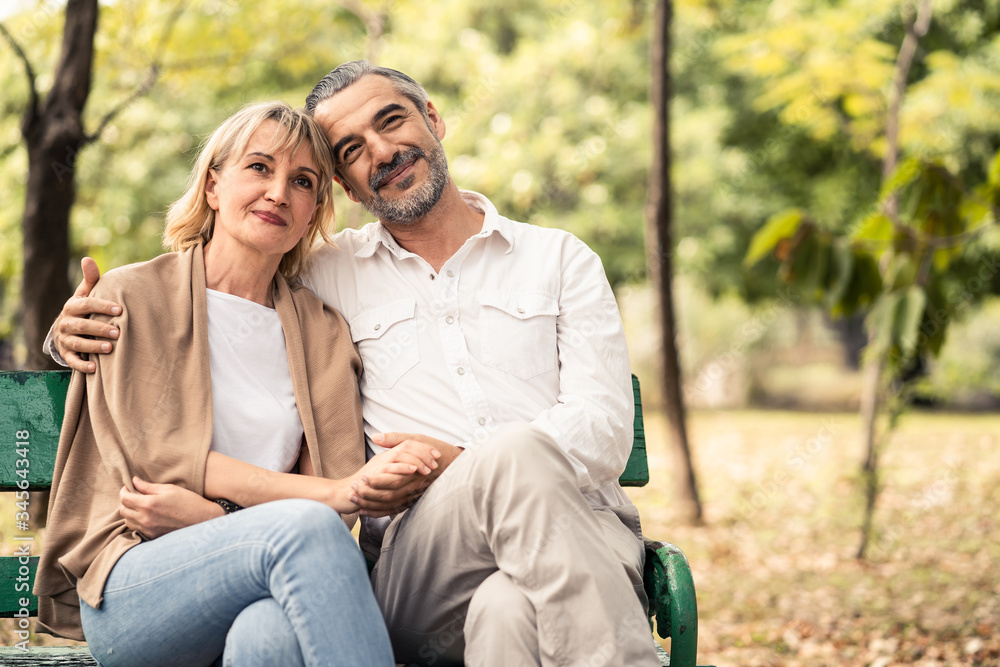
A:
(438, 235)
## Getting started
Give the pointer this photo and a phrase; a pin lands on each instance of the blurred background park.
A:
(831, 240)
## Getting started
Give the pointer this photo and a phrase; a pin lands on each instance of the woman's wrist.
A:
(338, 495)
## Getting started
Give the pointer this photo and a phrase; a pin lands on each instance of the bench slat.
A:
(61, 656)
(12, 585)
(637, 469)
(34, 402)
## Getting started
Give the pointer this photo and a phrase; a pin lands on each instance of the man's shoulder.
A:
(346, 243)
(534, 237)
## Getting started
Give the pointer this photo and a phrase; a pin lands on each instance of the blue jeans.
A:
(278, 584)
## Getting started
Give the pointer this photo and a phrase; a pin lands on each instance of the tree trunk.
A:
(54, 135)
(873, 368)
(659, 252)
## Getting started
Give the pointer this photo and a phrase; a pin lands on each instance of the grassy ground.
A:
(774, 566)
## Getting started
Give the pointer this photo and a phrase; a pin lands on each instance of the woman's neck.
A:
(247, 275)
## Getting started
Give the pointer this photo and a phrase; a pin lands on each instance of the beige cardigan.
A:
(147, 411)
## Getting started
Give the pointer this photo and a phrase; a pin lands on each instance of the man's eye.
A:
(348, 152)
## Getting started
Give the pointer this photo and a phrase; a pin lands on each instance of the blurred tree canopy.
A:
(547, 106)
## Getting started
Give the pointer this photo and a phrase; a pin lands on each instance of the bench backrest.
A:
(31, 414)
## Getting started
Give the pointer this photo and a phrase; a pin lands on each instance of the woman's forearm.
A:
(246, 484)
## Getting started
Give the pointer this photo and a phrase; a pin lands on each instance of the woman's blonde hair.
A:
(190, 220)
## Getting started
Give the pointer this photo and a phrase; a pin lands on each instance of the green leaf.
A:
(874, 227)
(840, 274)
(880, 321)
(994, 173)
(777, 228)
(906, 172)
(907, 318)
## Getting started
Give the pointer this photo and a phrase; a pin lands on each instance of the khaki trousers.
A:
(504, 562)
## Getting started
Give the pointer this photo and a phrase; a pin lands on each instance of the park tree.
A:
(53, 130)
(921, 253)
(660, 250)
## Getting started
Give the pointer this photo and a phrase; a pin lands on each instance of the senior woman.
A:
(227, 376)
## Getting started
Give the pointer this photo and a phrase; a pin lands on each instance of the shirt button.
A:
(449, 319)
(520, 310)
(433, 276)
(461, 371)
(377, 327)
(482, 421)
(450, 273)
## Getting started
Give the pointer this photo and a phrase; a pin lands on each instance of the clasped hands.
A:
(388, 483)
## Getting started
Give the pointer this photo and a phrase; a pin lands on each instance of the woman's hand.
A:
(394, 479)
(157, 509)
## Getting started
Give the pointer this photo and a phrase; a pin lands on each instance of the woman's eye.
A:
(303, 182)
(258, 167)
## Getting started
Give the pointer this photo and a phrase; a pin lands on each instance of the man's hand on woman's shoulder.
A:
(74, 333)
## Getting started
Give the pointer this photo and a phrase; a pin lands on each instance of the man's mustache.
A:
(401, 158)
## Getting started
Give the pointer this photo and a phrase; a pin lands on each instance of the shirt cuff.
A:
(49, 348)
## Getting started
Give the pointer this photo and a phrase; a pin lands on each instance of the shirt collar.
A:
(379, 236)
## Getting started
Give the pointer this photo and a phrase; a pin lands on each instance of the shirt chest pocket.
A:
(518, 332)
(387, 341)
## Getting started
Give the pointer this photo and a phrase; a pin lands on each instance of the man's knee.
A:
(500, 606)
(525, 450)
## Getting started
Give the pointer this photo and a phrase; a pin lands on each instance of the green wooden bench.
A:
(31, 417)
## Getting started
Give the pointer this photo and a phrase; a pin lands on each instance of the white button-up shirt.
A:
(520, 325)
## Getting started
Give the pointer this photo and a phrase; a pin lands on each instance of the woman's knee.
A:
(262, 635)
(312, 528)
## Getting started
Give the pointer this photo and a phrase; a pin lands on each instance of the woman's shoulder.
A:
(313, 307)
(139, 277)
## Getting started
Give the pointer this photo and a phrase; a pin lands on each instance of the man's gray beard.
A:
(418, 203)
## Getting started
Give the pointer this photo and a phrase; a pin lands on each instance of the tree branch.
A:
(154, 71)
(914, 31)
(29, 72)
(374, 25)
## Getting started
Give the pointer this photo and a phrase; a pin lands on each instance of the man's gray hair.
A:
(351, 72)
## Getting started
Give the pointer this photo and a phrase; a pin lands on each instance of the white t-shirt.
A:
(254, 417)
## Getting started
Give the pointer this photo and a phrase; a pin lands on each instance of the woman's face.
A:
(264, 200)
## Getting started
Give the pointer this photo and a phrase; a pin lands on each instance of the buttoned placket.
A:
(447, 315)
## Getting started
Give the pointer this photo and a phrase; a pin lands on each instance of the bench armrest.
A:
(670, 589)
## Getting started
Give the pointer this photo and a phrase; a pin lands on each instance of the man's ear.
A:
(437, 122)
(347, 188)
(210, 195)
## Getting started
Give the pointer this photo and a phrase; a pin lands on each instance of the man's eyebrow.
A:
(379, 115)
(386, 110)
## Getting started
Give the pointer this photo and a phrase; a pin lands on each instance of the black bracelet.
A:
(229, 506)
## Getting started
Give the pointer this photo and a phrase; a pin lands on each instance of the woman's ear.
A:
(210, 195)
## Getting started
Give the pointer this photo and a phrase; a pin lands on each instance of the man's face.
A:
(389, 157)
